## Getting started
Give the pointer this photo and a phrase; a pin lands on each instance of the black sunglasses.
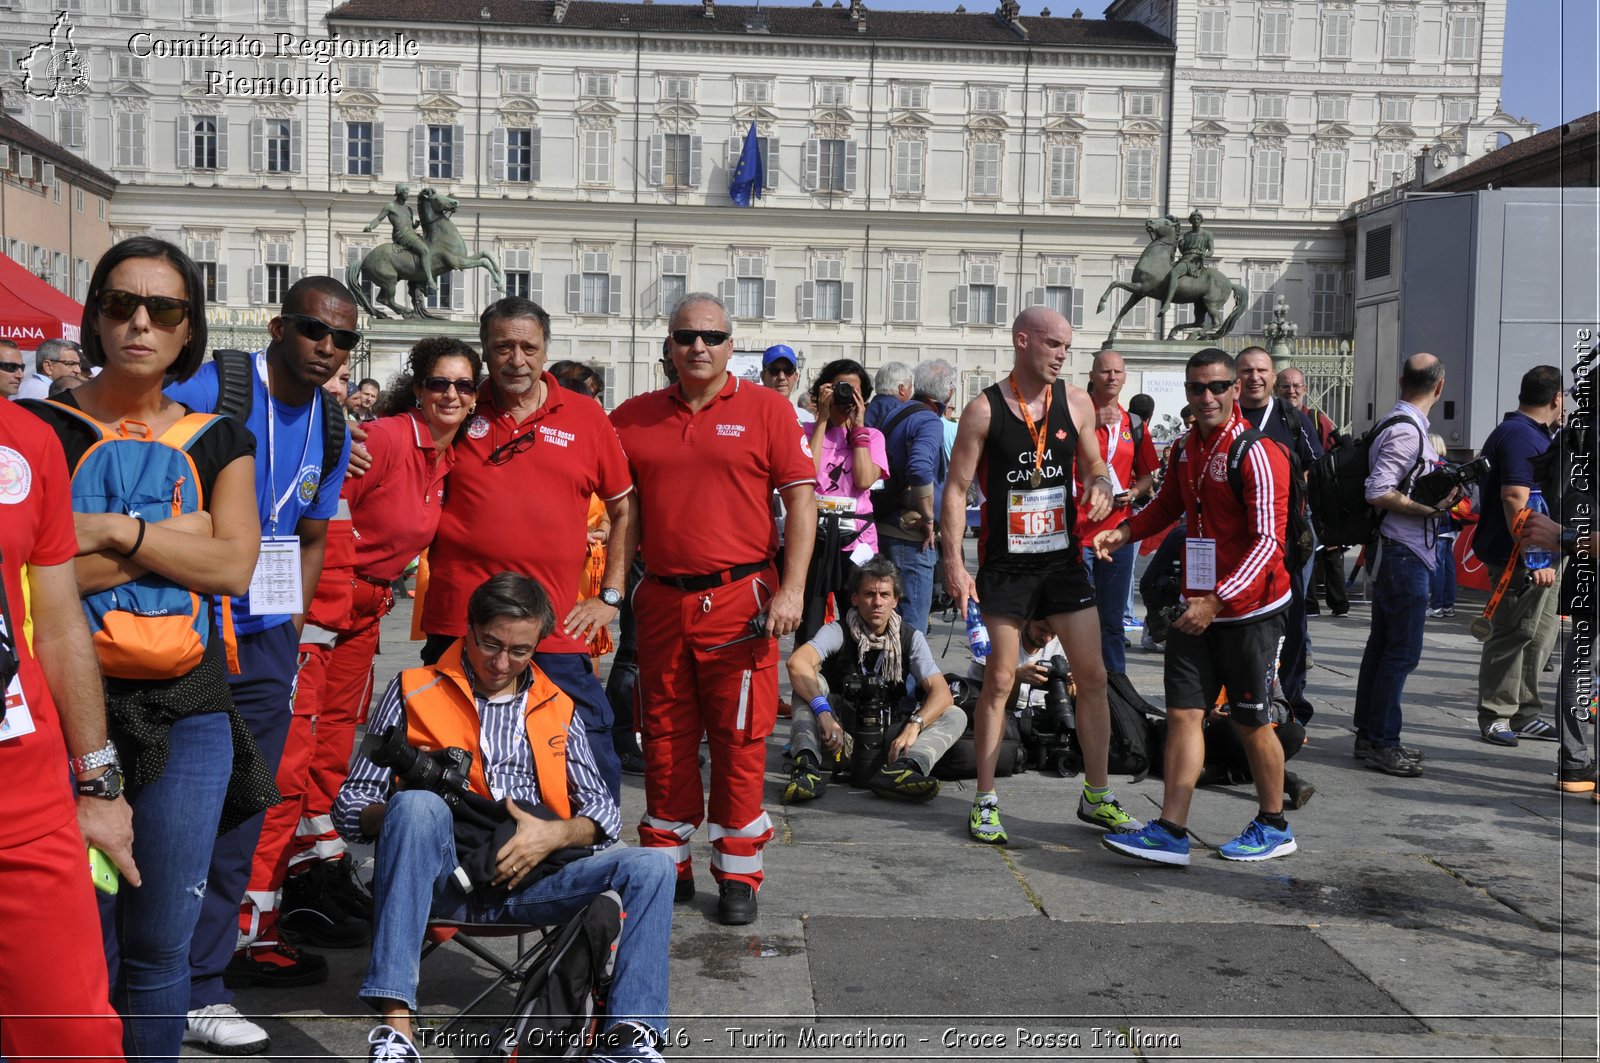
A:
(685, 337)
(1216, 387)
(12, 367)
(314, 330)
(439, 385)
(163, 309)
(510, 449)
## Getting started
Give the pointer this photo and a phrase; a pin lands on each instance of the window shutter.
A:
(377, 149)
(808, 300)
(696, 158)
(297, 142)
(1037, 298)
(849, 166)
(735, 147)
(338, 149)
(497, 154)
(258, 154)
(813, 164)
(535, 152)
(458, 289)
(574, 292)
(658, 158)
(769, 299)
(419, 151)
(458, 152)
(258, 285)
(1077, 307)
(958, 305)
(222, 283)
(1002, 304)
(222, 143)
(185, 141)
(536, 288)
(728, 292)
(772, 162)
(847, 301)
(615, 293)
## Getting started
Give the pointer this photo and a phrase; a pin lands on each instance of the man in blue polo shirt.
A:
(913, 432)
(1523, 631)
(311, 339)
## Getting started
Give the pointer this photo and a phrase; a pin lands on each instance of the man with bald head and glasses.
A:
(707, 452)
(531, 457)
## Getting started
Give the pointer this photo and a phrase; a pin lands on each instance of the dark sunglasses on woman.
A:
(163, 309)
(439, 385)
(314, 330)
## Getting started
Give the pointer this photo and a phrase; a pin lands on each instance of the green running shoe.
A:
(1107, 815)
(984, 825)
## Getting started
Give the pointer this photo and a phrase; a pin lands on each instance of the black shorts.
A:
(1240, 656)
(1033, 594)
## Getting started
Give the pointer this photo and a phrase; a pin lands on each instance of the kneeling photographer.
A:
(481, 790)
(870, 726)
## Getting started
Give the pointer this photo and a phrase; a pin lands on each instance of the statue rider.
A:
(1194, 247)
(404, 234)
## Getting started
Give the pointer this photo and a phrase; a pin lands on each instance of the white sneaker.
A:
(221, 1029)
(1150, 645)
(388, 1045)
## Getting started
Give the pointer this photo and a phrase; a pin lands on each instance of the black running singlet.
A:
(1022, 525)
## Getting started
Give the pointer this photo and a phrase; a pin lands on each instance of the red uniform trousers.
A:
(693, 682)
(52, 955)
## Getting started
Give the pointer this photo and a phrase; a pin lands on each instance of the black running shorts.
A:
(1063, 587)
(1241, 656)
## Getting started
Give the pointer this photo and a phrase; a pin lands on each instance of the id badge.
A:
(275, 584)
(1200, 566)
(18, 721)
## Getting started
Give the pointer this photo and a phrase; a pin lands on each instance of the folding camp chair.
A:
(465, 934)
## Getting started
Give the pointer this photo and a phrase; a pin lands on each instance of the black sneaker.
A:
(1391, 761)
(807, 782)
(737, 904)
(280, 966)
(352, 896)
(1363, 750)
(310, 913)
(1296, 791)
(1578, 780)
(904, 781)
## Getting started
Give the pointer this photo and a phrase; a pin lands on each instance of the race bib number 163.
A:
(1037, 520)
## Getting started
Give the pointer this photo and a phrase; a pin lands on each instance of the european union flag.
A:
(749, 176)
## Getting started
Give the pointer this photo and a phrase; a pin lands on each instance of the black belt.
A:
(710, 579)
(384, 583)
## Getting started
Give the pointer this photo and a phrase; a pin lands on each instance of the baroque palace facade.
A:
(927, 174)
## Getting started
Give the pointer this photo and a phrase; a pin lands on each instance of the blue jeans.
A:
(1113, 581)
(1442, 587)
(1399, 611)
(916, 572)
(411, 881)
(148, 928)
(574, 674)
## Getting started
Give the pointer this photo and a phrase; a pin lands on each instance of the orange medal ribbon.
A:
(1036, 431)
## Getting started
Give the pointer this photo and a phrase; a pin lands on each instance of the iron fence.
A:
(1329, 367)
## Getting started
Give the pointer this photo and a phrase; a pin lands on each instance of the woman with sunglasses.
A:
(191, 769)
(850, 458)
(394, 513)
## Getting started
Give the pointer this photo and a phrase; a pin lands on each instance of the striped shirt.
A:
(507, 763)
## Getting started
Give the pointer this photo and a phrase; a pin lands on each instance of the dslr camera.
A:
(442, 771)
(844, 394)
(1434, 487)
(872, 699)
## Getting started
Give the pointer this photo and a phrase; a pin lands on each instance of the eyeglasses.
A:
(1216, 387)
(163, 309)
(439, 385)
(781, 370)
(12, 367)
(314, 330)
(510, 449)
(513, 654)
(685, 337)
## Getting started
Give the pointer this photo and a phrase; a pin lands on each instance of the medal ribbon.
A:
(1517, 524)
(1038, 432)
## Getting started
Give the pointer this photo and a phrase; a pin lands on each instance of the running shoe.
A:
(806, 781)
(1151, 842)
(984, 825)
(1107, 815)
(904, 781)
(1260, 841)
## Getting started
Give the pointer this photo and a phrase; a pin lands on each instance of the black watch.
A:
(611, 596)
(107, 786)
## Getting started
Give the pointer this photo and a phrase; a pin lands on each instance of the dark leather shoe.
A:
(683, 892)
(737, 905)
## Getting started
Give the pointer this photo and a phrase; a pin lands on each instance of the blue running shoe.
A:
(1152, 842)
(1260, 841)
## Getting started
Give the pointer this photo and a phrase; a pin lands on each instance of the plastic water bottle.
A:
(977, 634)
(1536, 559)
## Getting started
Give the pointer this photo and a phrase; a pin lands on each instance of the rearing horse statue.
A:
(387, 265)
(1206, 291)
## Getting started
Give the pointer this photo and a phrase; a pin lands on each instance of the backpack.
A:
(1297, 541)
(886, 499)
(1338, 488)
(1131, 749)
(149, 627)
(960, 761)
(561, 1005)
(236, 396)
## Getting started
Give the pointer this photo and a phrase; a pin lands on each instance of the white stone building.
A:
(928, 174)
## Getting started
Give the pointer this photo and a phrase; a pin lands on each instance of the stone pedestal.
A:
(391, 342)
(1167, 356)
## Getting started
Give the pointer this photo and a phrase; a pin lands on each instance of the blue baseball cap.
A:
(779, 352)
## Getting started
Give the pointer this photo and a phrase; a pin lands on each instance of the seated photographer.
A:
(512, 750)
(866, 659)
(1035, 650)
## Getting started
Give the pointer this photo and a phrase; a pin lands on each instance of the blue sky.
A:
(1552, 50)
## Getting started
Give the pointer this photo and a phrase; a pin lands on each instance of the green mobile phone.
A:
(103, 872)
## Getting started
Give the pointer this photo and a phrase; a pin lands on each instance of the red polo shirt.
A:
(528, 514)
(396, 506)
(1127, 462)
(706, 478)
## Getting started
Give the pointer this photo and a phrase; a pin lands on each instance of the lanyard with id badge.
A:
(15, 719)
(275, 585)
(1199, 551)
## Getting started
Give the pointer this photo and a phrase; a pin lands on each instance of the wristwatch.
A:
(106, 786)
(611, 596)
(106, 754)
(916, 718)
